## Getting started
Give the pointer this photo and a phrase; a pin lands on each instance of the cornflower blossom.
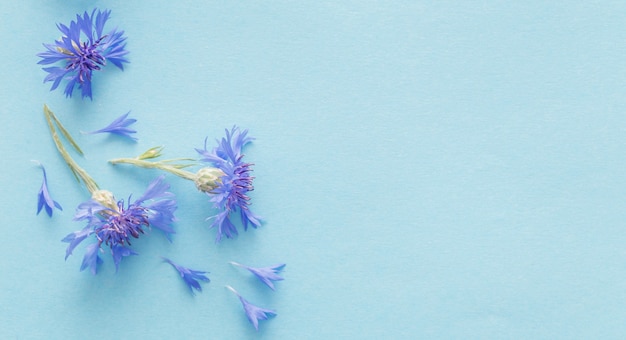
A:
(190, 276)
(119, 127)
(111, 222)
(265, 274)
(83, 48)
(230, 194)
(115, 224)
(227, 182)
(254, 313)
(44, 198)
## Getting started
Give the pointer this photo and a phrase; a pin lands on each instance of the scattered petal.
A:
(265, 274)
(190, 276)
(254, 313)
(119, 127)
(44, 199)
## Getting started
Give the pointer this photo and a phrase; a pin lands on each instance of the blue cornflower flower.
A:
(230, 192)
(114, 224)
(83, 48)
(254, 313)
(44, 199)
(190, 276)
(119, 127)
(227, 182)
(265, 274)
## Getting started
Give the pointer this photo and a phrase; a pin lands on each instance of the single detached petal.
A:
(119, 127)
(44, 199)
(254, 313)
(266, 274)
(190, 276)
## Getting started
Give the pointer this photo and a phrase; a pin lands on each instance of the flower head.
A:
(230, 193)
(265, 274)
(190, 276)
(254, 313)
(83, 48)
(115, 224)
(119, 127)
(44, 199)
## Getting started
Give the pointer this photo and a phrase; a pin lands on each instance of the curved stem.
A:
(78, 172)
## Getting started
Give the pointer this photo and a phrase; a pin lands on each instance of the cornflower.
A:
(227, 182)
(112, 223)
(83, 48)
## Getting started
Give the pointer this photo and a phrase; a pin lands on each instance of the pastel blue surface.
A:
(426, 169)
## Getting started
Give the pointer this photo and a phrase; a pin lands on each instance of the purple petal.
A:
(190, 276)
(43, 198)
(119, 127)
(91, 259)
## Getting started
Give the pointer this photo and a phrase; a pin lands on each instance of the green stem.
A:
(78, 172)
(63, 130)
(156, 165)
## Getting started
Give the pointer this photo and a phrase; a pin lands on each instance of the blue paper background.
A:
(448, 169)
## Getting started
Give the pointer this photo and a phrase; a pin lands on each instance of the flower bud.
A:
(105, 198)
(151, 153)
(208, 179)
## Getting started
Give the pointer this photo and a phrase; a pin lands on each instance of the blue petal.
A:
(43, 198)
(75, 239)
(91, 259)
(119, 127)
(189, 276)
(265, 274)
(118, 252)
(156, 189)
(254, 313)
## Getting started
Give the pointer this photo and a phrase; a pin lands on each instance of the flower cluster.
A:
(227, 182)
(83, 48)
(114, 224)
